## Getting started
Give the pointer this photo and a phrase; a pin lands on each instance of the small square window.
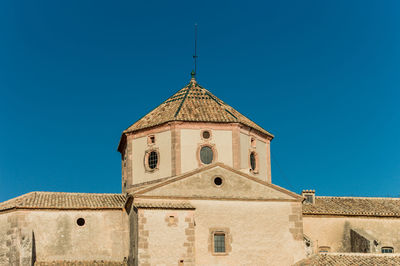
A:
(253, 142)
(219, 243)
(151, 139)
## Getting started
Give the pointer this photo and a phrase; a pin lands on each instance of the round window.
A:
(80, 221)
(206, 134)
(206, 155)
(218, 181)
(152, 160)
(253, 161)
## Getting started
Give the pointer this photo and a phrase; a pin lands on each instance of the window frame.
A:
(227, 241)
(219, 234)
(151, 140)
(387, 248)
(256, 161)
(214, 151)
(324, 249)
(209, 132)
(146, 160)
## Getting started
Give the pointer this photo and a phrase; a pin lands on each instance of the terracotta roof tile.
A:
(80, 263)
(358, 206)
(63, 200)
(195, 104)
(163, 205)
(347, 259)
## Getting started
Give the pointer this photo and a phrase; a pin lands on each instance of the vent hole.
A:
(80, 222)
(218, 181)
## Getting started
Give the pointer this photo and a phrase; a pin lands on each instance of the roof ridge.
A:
(350, 197)
(360, 254)
(64, 192)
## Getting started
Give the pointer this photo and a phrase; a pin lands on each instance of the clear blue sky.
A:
(323, 76)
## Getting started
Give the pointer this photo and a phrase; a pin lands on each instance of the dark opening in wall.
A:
(218, 181)
(153, 160)
(206, 134)
(80, 221)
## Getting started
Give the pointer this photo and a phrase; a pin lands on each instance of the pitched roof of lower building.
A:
(163, 205)
(350, 259)
(63, 200)
(80, 263)
(354, 206)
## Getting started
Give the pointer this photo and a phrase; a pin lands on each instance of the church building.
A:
(197, 190)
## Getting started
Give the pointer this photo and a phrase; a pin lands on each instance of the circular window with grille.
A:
(206, 155)
(152, 160)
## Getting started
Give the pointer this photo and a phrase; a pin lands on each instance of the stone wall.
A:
(165, 237)
(334, 231)
(16, 240)
(360, 243)
(48, 235)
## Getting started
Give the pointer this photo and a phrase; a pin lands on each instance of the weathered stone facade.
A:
(185, 205)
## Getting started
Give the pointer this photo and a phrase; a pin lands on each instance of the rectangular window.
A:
(387, 250)
(219, 243)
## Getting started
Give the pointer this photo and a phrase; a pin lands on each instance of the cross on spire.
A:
(194, 73)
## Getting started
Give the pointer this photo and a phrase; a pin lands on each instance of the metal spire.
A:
(195, 50)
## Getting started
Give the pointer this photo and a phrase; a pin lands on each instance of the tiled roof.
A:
(357, 206)
(350, 259)
(163, 205)
(63, 200)
(195, 104)
(80, 263)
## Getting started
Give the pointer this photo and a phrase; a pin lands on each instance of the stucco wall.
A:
(139, 148)
(335, 231)
(260, 233)
(190, 141)
(55, 235)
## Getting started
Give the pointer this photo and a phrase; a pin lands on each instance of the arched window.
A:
(206, 155)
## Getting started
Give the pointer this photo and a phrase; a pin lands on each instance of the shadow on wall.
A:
(33, 249)
(346, 243)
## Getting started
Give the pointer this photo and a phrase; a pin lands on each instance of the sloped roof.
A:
(354, 206)
(180, 186)
(350, 259)
(63, 200)
(163, 205)
(193, 103)
(80, 263)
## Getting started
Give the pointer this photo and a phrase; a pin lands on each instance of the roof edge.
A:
(190, 173)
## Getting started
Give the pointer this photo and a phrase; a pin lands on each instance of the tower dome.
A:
(192, 128)
(193, 103)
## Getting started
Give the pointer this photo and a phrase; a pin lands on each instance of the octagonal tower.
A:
(191, 129)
